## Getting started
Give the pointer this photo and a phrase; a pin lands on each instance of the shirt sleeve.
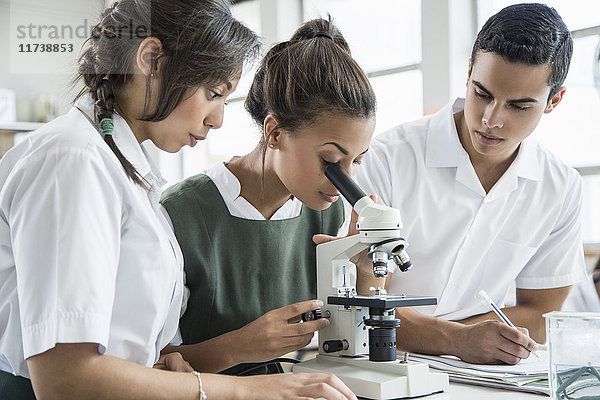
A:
(559, 261)
(65, 223)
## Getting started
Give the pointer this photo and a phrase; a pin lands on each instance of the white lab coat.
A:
(462, 240)
(86, 255)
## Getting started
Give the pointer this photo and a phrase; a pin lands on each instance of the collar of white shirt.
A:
(443, 149)
(230, 188)
(127, 143)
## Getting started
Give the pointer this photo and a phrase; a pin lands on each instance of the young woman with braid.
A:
(246, 226)
(91, 276)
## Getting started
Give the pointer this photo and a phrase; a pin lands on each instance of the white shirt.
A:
(462, 240)
(230, 188)
(86, 255)
(583, 297)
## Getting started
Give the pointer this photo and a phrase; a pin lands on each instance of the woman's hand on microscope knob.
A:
(361, 260)
(278, 332)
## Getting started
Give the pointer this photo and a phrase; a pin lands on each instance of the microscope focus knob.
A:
(315, 314)
(331, 346)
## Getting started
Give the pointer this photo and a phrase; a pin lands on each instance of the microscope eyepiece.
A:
(344, 183)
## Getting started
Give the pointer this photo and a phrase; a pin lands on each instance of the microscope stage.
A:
(386, 301)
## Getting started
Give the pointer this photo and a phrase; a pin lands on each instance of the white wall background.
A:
(415, 52)
(33, 88)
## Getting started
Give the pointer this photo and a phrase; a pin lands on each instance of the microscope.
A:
(366, 324)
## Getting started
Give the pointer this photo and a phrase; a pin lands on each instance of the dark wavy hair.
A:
(202, 44)
(532, 34)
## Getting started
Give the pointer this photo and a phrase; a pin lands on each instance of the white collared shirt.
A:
(462, 240)
(86, 255)
(230, 188)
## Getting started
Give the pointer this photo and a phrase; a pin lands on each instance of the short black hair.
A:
(532, 34)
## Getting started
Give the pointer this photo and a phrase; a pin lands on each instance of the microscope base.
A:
(378, 380)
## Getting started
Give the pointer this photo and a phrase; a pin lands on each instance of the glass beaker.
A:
(574, 355)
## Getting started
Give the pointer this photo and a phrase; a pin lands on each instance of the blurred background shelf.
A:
(18, 126)
(10, 130)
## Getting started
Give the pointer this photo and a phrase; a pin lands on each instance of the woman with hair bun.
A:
(91, 279)
(246, 226)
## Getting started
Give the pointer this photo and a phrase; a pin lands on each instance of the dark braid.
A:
(201, 45)
(100, 88)
(104, 106)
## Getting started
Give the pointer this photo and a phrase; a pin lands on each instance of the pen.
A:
(499, 312)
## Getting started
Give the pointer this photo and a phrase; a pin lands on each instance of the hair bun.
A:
(323, 34)
(301, 79)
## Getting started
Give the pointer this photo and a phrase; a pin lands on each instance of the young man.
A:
(484, 205)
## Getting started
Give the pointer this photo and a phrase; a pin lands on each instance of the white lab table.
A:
(460, 391)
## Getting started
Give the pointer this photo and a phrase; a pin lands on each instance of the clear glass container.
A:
(574, 355)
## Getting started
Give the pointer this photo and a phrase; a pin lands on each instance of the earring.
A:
(272, 146)
(152, 75)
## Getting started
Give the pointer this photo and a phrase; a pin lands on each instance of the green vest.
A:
(238, 269)
(15, 387)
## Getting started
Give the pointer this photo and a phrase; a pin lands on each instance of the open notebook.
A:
(530, 375)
